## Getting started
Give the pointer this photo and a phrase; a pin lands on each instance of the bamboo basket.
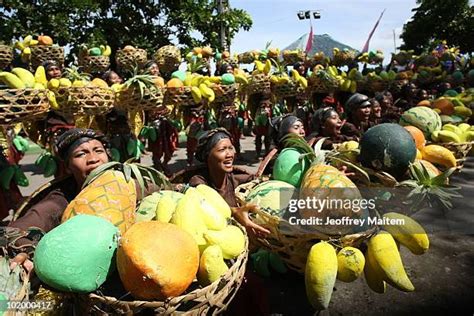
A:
(316, 85)
(127, 60)
(224, 93)
(6, 56)
(294, 57)
(66, 108)
(168, 58)
(210, 300)
(42, 53)
(18, 105)
(293, 243)
(285, 90)
(91, 100)
(246, 58)
(132, 100)
(94, 64)
(259, 83)
(180, 97)
(343, 58)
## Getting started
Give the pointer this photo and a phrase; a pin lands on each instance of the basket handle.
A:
(265, 162)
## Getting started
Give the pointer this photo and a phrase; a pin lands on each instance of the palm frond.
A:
(294, 141)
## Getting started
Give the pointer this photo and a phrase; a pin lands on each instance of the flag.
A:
(309, 43)
(366, 46)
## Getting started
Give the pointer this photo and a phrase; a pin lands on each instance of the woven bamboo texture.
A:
(224, 93)
(246, 58)
(210, 300)
(180, 97)
(168, 58)
(259, 83)
(292, 243)
(343, 58)
(65, 107)
(317, 85)
(18, 105)
(42, 53)
(293, 57)
(132, 100)
(285, 90)
(94, 64)
(127, 60)
(92, 100)
(6, 56)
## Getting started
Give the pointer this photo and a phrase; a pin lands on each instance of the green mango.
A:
(227, 79)
(181, 75)
(95, 51)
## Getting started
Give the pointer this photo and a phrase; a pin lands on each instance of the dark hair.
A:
(74, 137)
(280, 126)
(207, 141)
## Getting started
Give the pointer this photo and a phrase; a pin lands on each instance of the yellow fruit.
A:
(320, 274)
(469, 136)
(196, 94)
(65, 83)
(350, 264)
(53, 84)
(174, 83)
(453, 128)
(462, 111)
(215, 199)
(116, 87)
(242, 79)
(19, 45)
(464, 127)
(419, 155)
(267, 67)
(186, 217)
(99, 83)
(303, 82)
(349, 145)
(231, 240)
(40, 75)
(439, 155)
(27, 77)
(39, 86)
(78, 83)
(165, 208)
(207, 92)
(107, 51)
(373, 274)
(384, 250)
(283, 79)
(209, 214)
(211, 266)
(259, 66)
(435, 136)
(446, 136)
(34, 42)
(409, 233)
(11, 80)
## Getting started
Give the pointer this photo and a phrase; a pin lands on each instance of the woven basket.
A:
(129, 59)
(18, 105)
(377, 85)
(224, 93)
(460, 151)
(343, 58)
(210, 300)
(180, 97)
(42, 53)
(294, 57)
(291, 242)
(65, 107)
(168, 58)
(6, 56)
(94, 64)
(92, 100)
(259, 83)
(285, 90)
(246, 58)
(316, 85)
(132, 100)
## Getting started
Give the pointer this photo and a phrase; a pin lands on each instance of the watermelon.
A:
(387, 147)
(272, 196)
(78, 255)
(289, 167)
(426, 119)
(227, 79)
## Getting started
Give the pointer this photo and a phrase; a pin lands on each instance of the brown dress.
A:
(231, 182)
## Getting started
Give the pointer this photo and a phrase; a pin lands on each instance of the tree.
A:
(147, 24)
(450, 20)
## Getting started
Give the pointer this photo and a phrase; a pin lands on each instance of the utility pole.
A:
(223, 38)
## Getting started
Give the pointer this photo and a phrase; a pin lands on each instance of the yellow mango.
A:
(350, 264)
(439, 155)
(410, 234)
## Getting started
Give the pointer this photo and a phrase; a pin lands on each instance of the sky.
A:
(346, 21)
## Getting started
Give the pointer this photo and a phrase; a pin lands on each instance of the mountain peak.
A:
(321, 42)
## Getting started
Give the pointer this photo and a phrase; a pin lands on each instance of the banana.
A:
(267, 67)
(274, 79)
(34, 42)
(107, 51)
(196, 80)
(462, 111)
(52, 100)
(20, 46)
(215, 79)
(283, 79)
(469, 136)
(452, 128)
(320, 274)
(27, 40)
(346, 85)
(188, 80)
(295, 74)
(27, 77)
(384, 250)
(435, 136)
(303, 82)
(410, 234)
(11, 80)
(259, 66)
(353, 87)
(447, 136)
(464, 127)
(373, 274)
(197, 95)
(242, 79)
(207, 92)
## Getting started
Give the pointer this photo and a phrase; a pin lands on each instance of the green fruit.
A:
(152, 135)
(451, 93)
(95, 51)
(289, 167)
(426, 119)
(51, 167)
(181, 75)
(20, 178)
(227, 79)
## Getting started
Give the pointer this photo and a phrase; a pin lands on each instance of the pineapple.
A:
(325, 183)
(110, 192)
(427, 188)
